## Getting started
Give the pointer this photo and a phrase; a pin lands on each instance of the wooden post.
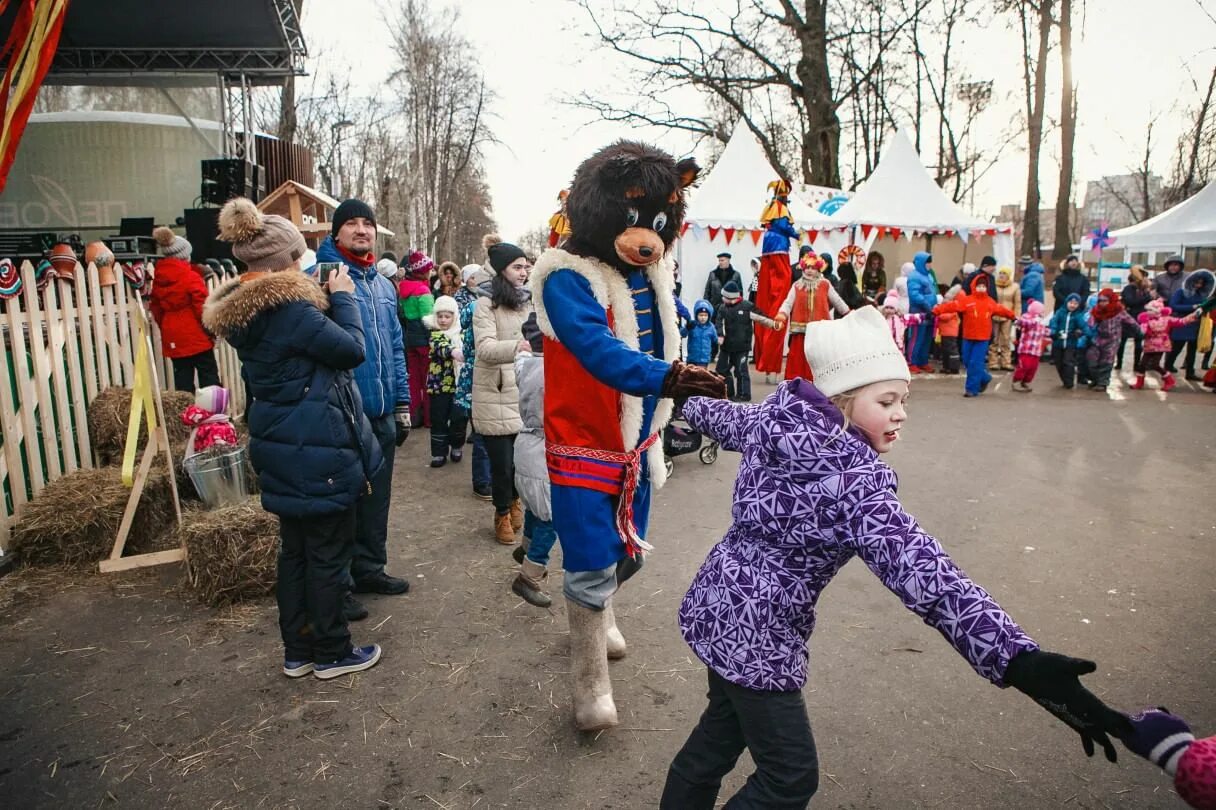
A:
(158, 442)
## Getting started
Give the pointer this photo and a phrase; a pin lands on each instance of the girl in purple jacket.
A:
(810, 495)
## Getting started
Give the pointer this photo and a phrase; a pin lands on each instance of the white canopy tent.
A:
(900, 199)
(724, 213)
(1189, 224)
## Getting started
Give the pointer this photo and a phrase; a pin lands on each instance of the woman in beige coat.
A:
(497, 321)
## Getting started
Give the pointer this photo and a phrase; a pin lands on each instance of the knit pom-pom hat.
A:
(500, 253)
(170, 245)
(264, 242)
(419, 265)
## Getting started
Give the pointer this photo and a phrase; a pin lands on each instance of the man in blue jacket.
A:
(383, 385)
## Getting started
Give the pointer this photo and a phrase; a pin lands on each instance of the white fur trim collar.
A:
(611, 291)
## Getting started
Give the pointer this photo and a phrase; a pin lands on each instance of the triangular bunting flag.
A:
(964, 233)
(865, 231)
(882, 232)
(730, 234)
(811, 236)
(895, 233)
(756, 237)
(713, 233)
(684, 228)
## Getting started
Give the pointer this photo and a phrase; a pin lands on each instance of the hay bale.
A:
(75, 519)
(110, 411)
(231, 553)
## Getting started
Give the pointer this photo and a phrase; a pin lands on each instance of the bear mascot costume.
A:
(604, 303)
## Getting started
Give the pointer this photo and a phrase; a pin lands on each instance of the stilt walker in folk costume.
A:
(809, 300)
(604, 303)
(775, 275)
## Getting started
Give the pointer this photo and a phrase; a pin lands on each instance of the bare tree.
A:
(767, 61)
(1068, 136)
(1195, 163)
(1035, 23)
(1140, 201)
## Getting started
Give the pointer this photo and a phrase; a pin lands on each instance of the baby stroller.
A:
(679, 439)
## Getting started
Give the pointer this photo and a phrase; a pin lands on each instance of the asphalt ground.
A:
(1087, 515)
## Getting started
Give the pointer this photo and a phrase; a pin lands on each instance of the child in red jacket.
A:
(976, 310)
(178, 293)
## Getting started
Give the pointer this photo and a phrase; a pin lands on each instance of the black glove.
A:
(401, 418)
(1052, 681)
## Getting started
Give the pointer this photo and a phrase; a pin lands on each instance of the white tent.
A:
(1190, 223)
(900, 199)
(724, 213)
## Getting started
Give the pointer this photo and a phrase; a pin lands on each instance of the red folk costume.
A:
(775, 275)
(811, 299)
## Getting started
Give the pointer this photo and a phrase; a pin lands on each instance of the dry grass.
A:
(231, 552)
(108, 415)
(75, 519)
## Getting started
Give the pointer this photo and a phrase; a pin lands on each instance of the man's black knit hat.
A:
(350, 209)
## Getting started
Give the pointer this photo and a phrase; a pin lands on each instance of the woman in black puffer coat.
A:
(310, 444)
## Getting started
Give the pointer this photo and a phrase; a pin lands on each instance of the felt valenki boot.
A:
(1168, 382)
(615, 642)
(594, 709)
(527, 584)
(1139, 383)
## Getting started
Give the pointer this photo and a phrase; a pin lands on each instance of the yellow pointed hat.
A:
(777, 206)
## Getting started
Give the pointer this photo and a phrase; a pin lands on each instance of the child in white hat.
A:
(811, 494)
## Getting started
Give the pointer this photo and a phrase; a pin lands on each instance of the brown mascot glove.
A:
(684, 381)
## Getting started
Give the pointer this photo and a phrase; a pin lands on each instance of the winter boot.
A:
(594, 709)
(503, 532)
(1139, 383)
(612, 634)
(521, 550)
(527, 584)
(1168, 382)
(517, 515)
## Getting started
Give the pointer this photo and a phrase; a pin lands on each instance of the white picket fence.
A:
(61, 349)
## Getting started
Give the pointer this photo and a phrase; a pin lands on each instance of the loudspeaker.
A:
(202, 232)
(226, 178)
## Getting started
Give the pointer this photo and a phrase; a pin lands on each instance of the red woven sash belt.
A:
(632, 466)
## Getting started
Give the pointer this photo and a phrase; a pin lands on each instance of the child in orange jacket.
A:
(947, 332)
(977, 310)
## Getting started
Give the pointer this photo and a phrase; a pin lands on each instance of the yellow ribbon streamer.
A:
(142, 402)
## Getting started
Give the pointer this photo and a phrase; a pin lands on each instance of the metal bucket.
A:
(220, 475)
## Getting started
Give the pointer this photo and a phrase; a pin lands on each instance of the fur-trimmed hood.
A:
(1199, 284)
(235, 304)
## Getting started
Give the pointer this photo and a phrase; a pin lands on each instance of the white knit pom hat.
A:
(853, 351)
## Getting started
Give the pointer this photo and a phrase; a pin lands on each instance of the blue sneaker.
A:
(297, 669)
(360, 658)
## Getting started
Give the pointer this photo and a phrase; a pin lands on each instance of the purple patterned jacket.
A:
(808, 498)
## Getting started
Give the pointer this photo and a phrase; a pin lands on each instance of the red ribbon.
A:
(635, 546)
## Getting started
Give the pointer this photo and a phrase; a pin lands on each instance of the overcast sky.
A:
(1131, 66)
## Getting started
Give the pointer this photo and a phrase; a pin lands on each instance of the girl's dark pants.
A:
(501, 450)
(185, 367)
(313, 555)
(449, 422)
(772, 726)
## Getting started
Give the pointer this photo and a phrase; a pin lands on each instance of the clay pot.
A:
(102, 258)
(106, 276)
(63, 259)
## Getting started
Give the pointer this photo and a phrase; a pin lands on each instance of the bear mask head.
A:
(626, 204)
